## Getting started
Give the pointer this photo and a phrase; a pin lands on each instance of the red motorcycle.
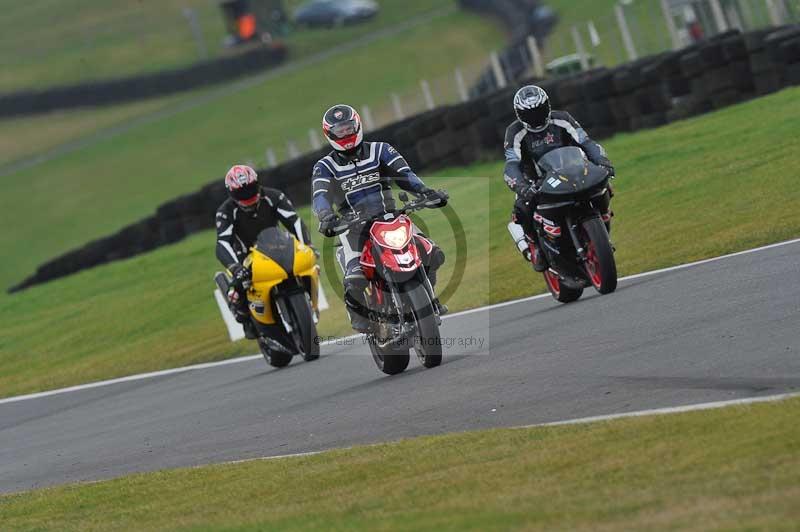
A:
(400, 297)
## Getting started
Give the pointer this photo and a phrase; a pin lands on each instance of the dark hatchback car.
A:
(330, 13)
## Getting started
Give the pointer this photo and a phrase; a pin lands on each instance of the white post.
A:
(670, 20)
(291, 150)
(497, 68)
(627, 40)
(369, 123)
(594, 36)
(398, 107)
(719, 16)
(732, 15)
(536, 56)
(426, 93)
(313, 139)
(270, 157)
(576, 37)
(461, 85)
(774, 13)
(197, 32)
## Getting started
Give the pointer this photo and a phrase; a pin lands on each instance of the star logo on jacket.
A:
(549, 138)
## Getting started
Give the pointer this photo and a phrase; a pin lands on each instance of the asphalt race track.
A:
(721, 330)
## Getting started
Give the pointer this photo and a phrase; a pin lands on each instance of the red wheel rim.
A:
(593, 266)
(553, 282)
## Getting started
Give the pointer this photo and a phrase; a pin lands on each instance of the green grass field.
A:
(683, 194)
(736, 468)
(116, 181)
(31, 136)
(50, 42)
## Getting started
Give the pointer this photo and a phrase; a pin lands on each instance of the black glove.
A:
(435, 198)
(528, 192)
(327, 223)
(605, 163)
(240, 275)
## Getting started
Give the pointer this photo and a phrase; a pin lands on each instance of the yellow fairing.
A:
(267, 274)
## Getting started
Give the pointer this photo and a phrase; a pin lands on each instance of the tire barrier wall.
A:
(650, 92)
(121, 90)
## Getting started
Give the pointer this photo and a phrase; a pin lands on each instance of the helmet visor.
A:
(343, 130)
(246, 196)
(535, 119)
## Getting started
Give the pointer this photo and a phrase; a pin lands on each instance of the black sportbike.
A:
(571, 228)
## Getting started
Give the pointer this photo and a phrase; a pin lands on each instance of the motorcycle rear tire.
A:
(305, 335)
(601, 268)
(273, 358)
(429, 340)
(391, 359)
(559, 291)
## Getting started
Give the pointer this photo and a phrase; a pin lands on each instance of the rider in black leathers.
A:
(249, 210)
(537, 131)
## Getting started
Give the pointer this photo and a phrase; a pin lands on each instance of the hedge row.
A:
(727, 69)
(121, 90)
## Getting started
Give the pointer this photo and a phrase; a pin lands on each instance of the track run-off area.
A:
(721, 329)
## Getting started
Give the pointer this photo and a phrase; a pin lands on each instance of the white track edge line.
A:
(207, 365)
(579, 421)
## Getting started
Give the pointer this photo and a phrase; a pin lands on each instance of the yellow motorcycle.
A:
(282, 296)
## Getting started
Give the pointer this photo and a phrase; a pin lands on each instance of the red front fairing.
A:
(398, 248)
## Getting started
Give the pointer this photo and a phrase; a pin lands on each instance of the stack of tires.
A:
(779, 59)
(641, 101)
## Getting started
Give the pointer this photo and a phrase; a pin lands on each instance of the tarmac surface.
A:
(720, 330)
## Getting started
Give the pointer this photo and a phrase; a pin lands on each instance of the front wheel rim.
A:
(593, 266)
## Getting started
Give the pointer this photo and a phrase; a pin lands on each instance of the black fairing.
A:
(569, 174)
(277, 245)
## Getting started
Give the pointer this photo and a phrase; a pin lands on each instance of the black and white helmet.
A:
(532, 106)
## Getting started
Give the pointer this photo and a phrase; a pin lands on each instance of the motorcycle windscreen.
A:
(278, 245)
(567, 172)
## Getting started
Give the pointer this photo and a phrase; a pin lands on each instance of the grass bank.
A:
(735, 469)
(50, 42)
(121, 179)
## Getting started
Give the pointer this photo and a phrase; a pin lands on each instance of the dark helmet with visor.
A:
(532, 106)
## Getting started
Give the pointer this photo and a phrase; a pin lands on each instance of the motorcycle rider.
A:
(538, 130)
(249, 210)
(356, 177)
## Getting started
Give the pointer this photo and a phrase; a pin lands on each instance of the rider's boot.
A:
(250, 331)
(536, 257)
(528, 246)
(357, 311)
(241, 313)
(359, 323)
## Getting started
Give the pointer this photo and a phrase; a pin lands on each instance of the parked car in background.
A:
(330, 13)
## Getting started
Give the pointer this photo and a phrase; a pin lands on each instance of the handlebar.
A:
(351, 220)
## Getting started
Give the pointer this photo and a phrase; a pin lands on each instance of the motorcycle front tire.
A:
(392, 359)
(429, 340)
(305, 333)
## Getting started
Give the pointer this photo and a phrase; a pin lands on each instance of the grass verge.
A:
(683, 194)
(736, 468)
(50, 42)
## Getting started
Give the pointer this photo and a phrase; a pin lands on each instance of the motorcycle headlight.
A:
(395, 238)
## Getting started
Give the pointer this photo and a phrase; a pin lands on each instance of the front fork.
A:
(572, 227)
